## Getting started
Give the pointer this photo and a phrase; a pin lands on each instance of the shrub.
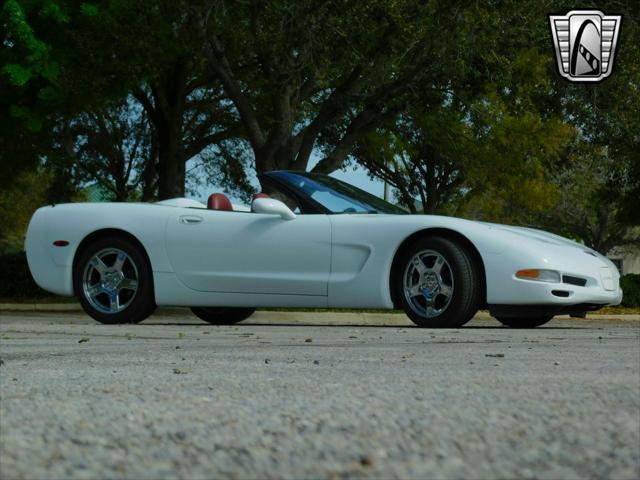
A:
(630, 284)
(16, 281)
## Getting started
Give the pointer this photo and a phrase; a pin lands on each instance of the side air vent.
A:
(560, 293)
(580, 282)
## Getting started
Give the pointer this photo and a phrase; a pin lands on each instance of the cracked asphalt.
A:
(273, 398)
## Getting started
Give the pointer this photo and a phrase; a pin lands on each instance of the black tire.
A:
(222, 315)
(466, 280)
(140, 303)
(519, 322)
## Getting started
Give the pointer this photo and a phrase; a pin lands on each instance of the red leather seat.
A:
(260, 195)
(219, 201)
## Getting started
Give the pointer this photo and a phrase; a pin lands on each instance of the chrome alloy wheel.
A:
(110, 280)
(428, 283)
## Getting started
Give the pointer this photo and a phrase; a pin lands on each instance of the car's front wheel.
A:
(113, 281)
(530, 322)
(438, 283)
(222, 315)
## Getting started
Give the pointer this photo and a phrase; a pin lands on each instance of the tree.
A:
(296, 71)
(150, 46)
(62, 60)
(584, 210)
(423, 155)
(29, 72)
(483, 152)
(56, 63)
(186, 118)
(600, 179)
(114, 147)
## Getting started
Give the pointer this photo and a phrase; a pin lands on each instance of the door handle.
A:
(190, 219)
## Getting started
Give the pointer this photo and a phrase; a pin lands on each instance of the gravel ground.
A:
(173, 397)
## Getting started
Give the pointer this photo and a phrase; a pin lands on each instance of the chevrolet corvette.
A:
(311, 241)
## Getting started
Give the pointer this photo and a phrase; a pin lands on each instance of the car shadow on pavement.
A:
(357, 325)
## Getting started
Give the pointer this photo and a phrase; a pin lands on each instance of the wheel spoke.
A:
(119, 262)
(414, 291)
(419, 265)
(446, 290)
(94, 290)
(429, 296)
(114, 301)
(439, 263)
(105, 295)
(99, 265)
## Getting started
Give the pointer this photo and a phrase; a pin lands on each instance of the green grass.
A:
(619, 311)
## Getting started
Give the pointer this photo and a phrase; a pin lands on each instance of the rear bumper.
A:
(48, 274)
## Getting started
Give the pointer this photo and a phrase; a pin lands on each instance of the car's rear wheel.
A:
(518, 322)
(222, 315)
(113, 281)
(438, 283)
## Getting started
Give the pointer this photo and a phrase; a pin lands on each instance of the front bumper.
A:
(601, 279)
(536, 311)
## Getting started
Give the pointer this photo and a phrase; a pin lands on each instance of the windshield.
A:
(336, 196)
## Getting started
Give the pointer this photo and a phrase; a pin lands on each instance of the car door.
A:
(243, 252)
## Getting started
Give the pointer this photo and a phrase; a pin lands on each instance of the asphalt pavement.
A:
(327, 397)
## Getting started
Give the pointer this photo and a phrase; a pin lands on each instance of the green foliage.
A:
(482, 152)
(530, 147)
(18, 75)
(589, 206)
(16, 281)
(30, 70)
(61, 58)
(630, 285)
(89, 9)
(601, 173)
(29, 192)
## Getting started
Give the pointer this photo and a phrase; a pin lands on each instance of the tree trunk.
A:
(431, 192)
(149, 174)
(62, 189)
(171, 168)
(166, 111)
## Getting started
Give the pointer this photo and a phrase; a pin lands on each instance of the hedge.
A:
(15, 279)
(16, 282)
(630, 284)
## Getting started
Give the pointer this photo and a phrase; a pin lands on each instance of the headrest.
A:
(219, 201)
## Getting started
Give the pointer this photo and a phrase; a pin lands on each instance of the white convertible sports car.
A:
(309, 241)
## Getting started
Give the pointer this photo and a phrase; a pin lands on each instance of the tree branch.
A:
(219, 65)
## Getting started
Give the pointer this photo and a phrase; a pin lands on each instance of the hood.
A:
(541, 236)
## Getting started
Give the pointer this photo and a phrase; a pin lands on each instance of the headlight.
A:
(549, 276)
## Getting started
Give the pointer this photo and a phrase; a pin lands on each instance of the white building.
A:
(627, 259)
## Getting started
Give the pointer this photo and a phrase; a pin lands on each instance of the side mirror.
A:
(272, 206)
